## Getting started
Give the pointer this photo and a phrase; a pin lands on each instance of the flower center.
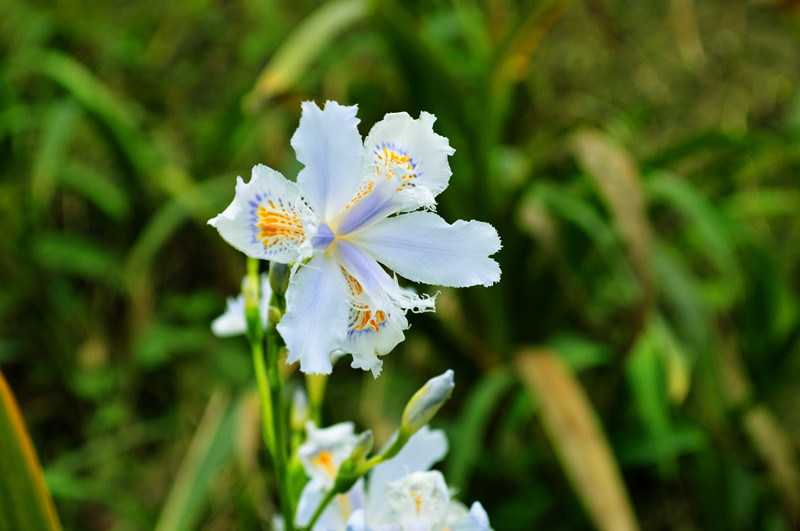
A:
(324, 460)
(277, 224)
(323, 238)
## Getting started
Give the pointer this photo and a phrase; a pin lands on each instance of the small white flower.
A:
(418, 501)
(324, 450)
(402, 495)
(341, 215)
(323, 453)
(233, 322)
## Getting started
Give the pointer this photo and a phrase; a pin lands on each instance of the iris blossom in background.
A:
(234, 322)
(357, 207)
(398, 494)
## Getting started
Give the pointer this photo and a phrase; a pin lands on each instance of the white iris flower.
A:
(234, 322)
(420, 501)
(342, 215)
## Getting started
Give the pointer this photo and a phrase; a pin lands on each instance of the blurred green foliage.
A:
(639, 160)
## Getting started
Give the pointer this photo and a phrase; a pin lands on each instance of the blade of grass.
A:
(465, 450)
(616, 177)
(25, 502)
(767, 437)
(117, 115)
(308, 40)
(210, 448)
(58, 127)
(645, 376)
(97, 188)
(99, 100)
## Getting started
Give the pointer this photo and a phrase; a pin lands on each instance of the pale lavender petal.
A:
(379, 198)
(422, 247)
(232, 322)
(382, 292)
(312, 494)
(475, 520)
(357, 521)
(317, 312)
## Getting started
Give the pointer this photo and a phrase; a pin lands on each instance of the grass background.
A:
(639, 160)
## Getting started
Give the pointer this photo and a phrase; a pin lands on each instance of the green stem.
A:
(321, 507)
(390, 452)
(257, 348)
(270, 386)
(279, 426)
(255, 334)
(315, 387)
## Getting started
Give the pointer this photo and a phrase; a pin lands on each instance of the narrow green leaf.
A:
(210, 449)
(706, 225)
(77, 256)
(471, 426)
(97, 188)
(200, 203)
(101, 101)
(25, 503)
(310, 39)
(56, 131)
(647, 381)
(580, 353)
(615, 175)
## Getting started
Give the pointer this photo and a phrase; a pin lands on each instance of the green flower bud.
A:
(279, 278)
(274, 315)
(363, 446)
(425, 403)
(251, 309)
(298, 415)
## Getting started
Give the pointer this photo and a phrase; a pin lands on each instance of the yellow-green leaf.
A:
(25, 502)
(311, 38)
(571, 424)
(618, 181)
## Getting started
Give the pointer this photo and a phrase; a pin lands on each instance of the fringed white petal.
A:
(265, 218)
(373, 333)
(422, 247)
(421, 154)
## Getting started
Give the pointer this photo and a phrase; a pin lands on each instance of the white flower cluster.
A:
(401, 494)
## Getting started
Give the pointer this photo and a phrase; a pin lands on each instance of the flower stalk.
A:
(270, 386)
